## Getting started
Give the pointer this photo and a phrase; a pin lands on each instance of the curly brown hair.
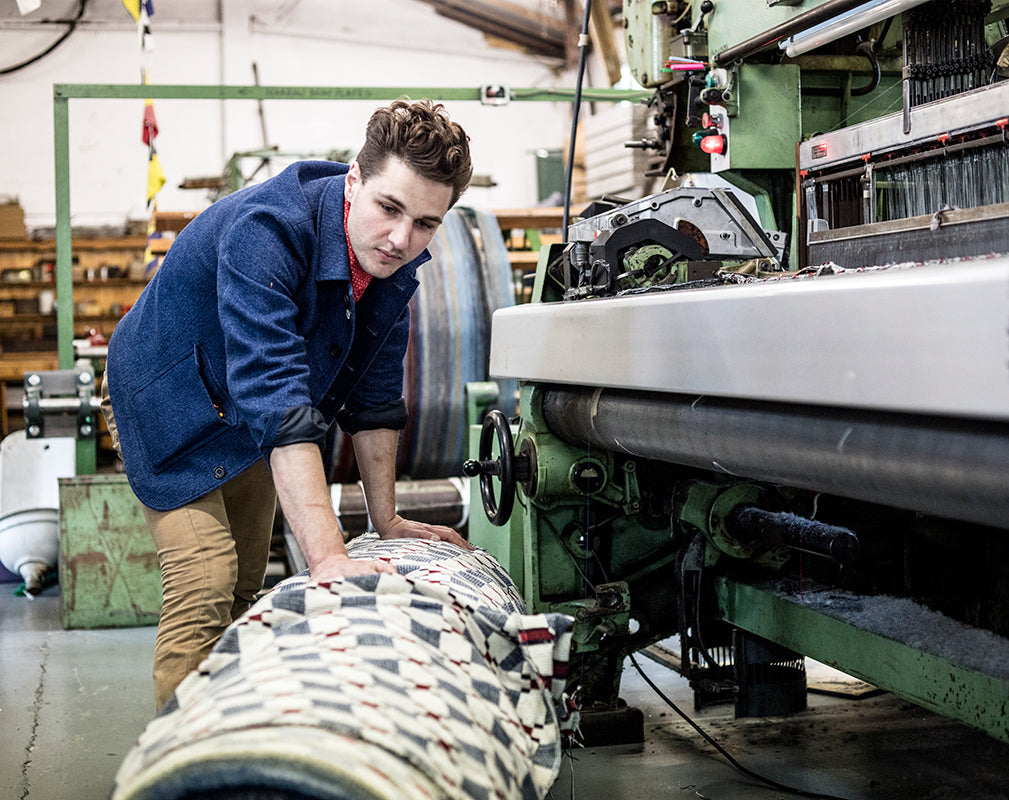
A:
(422, 135)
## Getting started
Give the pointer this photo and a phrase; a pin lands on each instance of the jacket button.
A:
(335, 350)
(220, 472)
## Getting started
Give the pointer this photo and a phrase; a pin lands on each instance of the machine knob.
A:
(509, 467)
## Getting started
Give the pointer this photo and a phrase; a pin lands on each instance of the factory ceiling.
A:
(544, 28)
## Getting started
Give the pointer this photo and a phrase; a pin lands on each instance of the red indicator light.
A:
(714, 145)
(1002, 122)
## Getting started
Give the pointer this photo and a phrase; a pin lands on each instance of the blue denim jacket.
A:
(246, 326)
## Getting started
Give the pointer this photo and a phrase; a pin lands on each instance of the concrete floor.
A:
(74, 702)
(876, 747)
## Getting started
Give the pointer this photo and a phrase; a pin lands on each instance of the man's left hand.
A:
(399, 528)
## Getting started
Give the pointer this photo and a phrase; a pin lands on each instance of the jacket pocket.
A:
(178, 411)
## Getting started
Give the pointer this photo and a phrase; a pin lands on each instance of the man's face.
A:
(393, 216)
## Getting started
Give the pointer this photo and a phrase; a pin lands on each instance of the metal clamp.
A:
(60, 403)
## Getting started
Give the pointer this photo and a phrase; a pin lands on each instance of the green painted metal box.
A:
(108, 567)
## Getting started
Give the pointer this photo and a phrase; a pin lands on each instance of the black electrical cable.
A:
(567, 210)
(744, 770)
(82, 4)
(868, 49)
(582, 47)
(728, 757)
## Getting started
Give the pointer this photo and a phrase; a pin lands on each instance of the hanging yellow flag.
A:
(137, 6)
(155, 175)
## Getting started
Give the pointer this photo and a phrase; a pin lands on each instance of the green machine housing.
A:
(764, 411)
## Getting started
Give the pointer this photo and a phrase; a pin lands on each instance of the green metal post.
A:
(87, 449)
(64, 257)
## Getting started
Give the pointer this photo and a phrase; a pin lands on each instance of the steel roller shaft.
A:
(946, 467)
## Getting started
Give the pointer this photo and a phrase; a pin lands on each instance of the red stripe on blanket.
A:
(536, 635)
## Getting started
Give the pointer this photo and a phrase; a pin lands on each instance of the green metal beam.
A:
(920, 670)
(64, 92)
(440, 93)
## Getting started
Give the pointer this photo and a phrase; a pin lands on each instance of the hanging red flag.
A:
(150, 123)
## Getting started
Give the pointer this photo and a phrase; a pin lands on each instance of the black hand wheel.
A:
(507, 466)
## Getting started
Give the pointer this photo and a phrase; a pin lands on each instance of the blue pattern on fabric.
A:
(293, 601)
(475, 790)
(365, 601)
(487, 690)
(388, 664)
(429, 635)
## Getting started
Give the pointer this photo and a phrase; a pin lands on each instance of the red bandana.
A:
(359, 279)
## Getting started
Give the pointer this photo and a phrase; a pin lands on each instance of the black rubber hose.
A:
(39, 56)
(574, 120)
(868, 49)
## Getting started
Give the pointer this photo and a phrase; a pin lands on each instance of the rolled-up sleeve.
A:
(301, 424)
(391, 415)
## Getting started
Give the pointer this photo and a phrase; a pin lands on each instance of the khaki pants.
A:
(213, 554)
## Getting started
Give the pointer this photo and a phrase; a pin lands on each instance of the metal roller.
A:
(797, 533)
(441, 502)
(946, 467)
(447, 350)
(468, 278)
(497, 281)
(438, 502)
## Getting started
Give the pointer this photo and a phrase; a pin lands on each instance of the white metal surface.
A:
(950, 115)
(932, 339)
(30, 470)
(29, 543)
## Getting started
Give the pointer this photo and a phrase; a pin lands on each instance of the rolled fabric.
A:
(431, 683)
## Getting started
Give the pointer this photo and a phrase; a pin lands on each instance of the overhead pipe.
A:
(853, 21)
(822, 13)
(942, 466)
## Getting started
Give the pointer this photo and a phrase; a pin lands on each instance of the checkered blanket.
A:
(431, 683)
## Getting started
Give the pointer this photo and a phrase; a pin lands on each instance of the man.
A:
(277, 309)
